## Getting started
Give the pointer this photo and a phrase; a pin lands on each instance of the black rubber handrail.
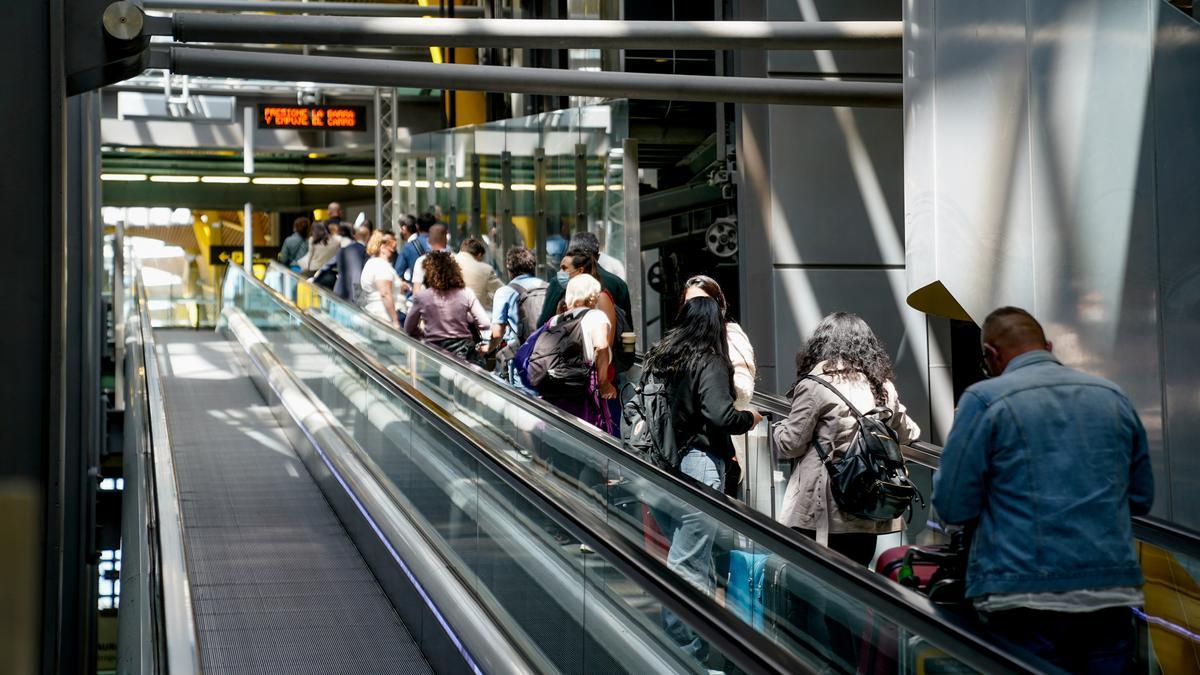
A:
(902, 606)
(1161, 533)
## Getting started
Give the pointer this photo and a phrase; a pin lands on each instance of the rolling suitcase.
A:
(744, 593)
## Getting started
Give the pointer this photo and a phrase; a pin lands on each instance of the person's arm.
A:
(412, 323)
(741, 355)
(716, 401)
(477, 313)
(500, 306)
(605, 304)
(401, 257)
(384, 286)
(793, 437)
(554, 294)
(286, 254)
(959, 484)
(418, 275)
(603, 358)
(1141, 474)
(906, 429)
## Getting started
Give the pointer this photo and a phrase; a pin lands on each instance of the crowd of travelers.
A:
(1043, 468)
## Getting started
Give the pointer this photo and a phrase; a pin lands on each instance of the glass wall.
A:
(529, 181)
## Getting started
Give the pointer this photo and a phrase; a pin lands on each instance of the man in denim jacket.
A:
(1049, 464)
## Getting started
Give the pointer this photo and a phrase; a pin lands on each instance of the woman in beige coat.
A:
(844, 352)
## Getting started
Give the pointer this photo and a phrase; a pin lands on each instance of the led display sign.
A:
(317, 117)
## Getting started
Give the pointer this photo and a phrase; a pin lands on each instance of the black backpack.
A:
(556, 364)
(529, 308)
(871, 479)
(647, 415)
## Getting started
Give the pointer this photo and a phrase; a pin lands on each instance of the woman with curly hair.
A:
(844, 352)
(445, 313)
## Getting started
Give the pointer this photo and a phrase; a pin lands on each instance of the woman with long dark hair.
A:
(692, 360)
(446, 313)
(845, 352)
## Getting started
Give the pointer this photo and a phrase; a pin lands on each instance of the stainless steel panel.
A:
(837, 186)
(1095, 267)
(1051, 160)
(803, 297)
(1176, 124)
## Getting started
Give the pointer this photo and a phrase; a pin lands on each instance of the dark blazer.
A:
(349, 263)
(609, 281)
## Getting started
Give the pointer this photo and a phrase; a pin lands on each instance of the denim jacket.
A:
(1050, 463)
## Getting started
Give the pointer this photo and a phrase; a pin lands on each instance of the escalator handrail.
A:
(751, 649)
(899, 605)
(1164, 534)
(179, 638)
(1161, 533)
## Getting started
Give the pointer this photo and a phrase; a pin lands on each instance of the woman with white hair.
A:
(584, 392)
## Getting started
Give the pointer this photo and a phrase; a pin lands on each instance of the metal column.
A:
(505, 226)
(633, 238)
(581, 184)
(539, 211)
(248, 169)
(380, 223)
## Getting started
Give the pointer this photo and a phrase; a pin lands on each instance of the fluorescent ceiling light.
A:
(240, 180)
(174, 179)
(325, 181)
(123, 177)
(364, 182)
(465, 184)
(485, 185)
(524, 187)
(276, 180)
(561, 187)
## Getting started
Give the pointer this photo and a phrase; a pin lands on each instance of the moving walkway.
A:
(430, 543)
(505, 419)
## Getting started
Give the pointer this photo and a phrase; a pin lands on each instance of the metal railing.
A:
(157, 625)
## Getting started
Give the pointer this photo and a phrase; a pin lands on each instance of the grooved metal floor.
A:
(277, 585)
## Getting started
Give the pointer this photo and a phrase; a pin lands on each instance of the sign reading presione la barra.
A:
(316, 117)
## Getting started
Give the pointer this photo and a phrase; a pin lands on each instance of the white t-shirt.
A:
(377, 269)
(593, 320)
(418, 271)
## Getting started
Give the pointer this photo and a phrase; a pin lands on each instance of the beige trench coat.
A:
(818, 413)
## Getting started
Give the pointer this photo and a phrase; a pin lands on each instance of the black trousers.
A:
(857, 546)
(1099, 642)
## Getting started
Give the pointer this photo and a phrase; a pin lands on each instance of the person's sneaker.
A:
(584, 548)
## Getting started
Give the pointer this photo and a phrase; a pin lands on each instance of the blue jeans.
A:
(1099, 643)
(691, 553)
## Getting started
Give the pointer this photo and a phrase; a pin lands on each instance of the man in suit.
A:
(349, 263)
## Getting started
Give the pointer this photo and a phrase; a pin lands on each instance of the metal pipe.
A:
(292, 7)
(374, 72)
(537, 33)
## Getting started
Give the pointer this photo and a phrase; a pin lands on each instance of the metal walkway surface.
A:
(276, 582)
